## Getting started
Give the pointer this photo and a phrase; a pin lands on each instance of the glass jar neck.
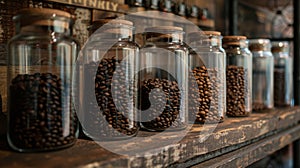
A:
(153, 37)
(235, 44)
(207, 41)
(260, 45)
(280, 47)
(113, 32)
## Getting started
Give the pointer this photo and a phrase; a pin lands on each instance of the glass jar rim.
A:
(279, 46)
(234, 38)
(163, 29)
(212, 33)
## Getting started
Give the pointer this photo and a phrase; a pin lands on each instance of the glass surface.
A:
(207, 62)
(238, 76)
(107, 83)
(163, 80)
(41, 114)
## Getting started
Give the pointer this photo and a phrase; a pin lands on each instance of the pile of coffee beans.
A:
(258, 106)
(236, 85)
(113, 115)
(41, 113)
(209, 88)
(279, 87)
(161, 99)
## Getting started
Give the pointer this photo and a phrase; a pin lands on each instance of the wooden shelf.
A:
(110, 6)
(236, 141)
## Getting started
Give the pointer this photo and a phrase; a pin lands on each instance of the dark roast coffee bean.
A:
(280, 87)
(208, 84)
(237, 91)
(38, 115)
(161, 99)
(114, 97)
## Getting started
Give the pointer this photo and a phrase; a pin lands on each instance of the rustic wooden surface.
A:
(255, 151)
(255, 137)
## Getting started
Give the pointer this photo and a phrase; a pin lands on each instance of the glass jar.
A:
(154, 4)
(165, 5)
(262, 74)
(163, 80)
(283, 74)
(207, 62)
(40, 64)
(238, 76)
(107, 83)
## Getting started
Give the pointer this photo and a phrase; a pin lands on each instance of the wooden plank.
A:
(106, 5)
(254, 152)
(230, 135)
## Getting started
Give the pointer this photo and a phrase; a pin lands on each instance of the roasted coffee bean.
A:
(237, 91)
(161, 99)
(114, 100)
(39, 116)
(208, 102)
(258, 106)
(280, 88)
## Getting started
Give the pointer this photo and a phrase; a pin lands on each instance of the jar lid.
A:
(231, 38)
(164, 33)
(163, 29)
(44, 11)
(121, 22)
(280, 46)
(212, 33)
(43, 17)
(259, 44)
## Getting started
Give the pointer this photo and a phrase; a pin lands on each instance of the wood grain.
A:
(280, 126)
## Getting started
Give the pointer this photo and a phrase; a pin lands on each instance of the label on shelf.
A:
(95, 4)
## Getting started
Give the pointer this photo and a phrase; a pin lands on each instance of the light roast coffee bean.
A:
(41, 114)
(209, 88)
(236, 91)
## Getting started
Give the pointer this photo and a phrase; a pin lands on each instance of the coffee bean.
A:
(110, 80)
(36, 112)
(158, 117)
(280, 88)
(237, 91)
(208, 87)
